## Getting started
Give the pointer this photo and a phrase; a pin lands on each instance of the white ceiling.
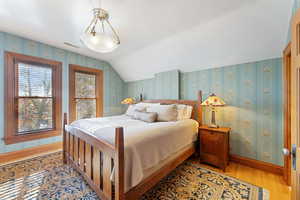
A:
(160, 35)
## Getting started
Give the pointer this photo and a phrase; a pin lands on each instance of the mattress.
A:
(147, 145)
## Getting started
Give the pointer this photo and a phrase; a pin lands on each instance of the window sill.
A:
(28, 137)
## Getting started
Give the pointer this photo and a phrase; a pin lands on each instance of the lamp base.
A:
(213, 126)
(213, 119)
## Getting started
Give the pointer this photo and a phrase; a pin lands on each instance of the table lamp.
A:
(128, 101)
(213, 101)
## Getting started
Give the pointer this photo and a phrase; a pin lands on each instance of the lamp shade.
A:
(213, 100)
(128, 101)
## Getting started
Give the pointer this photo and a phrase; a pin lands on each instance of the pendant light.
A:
(100, 36)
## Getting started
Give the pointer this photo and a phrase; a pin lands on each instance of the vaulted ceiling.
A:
(160, 35)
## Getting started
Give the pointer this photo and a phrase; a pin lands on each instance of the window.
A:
(33, 98)
(86, 86)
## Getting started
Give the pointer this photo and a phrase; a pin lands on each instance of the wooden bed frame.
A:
(95, 159)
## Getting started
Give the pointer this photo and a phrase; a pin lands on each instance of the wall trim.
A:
(29, 152)
(268, 167)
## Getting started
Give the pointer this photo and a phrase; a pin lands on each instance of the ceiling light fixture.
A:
(100, 36)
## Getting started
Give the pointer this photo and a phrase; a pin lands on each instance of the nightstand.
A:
(214, 146)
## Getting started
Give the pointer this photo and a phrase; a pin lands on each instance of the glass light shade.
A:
(213, 100)
(100, 42)
(128, 101)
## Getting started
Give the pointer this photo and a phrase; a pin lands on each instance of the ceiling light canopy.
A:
(100, 36)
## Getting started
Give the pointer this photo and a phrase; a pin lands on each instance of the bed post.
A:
(119, 165)
(65, 138)
(199, 107)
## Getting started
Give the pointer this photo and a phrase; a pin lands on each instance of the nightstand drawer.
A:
(210, 142)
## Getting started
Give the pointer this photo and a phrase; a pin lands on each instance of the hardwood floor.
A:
(272, 182)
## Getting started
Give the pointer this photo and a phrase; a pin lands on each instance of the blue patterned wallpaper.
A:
(164, 85)
(253, 92)
(146, 87)
(167, 85)
(113, 84)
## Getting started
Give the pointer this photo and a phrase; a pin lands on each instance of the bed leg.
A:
(64, 139)
(199, 107)
(119, 165)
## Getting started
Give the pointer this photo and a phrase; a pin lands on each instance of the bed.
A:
(96, 148)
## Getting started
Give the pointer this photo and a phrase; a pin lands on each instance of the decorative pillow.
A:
(165, 113)
(145, 116)
(132, 108)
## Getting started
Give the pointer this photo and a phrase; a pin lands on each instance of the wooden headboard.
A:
(197, 109)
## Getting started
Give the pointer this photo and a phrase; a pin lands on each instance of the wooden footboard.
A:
(95, 160)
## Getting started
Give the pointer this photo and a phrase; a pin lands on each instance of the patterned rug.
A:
(46, 177)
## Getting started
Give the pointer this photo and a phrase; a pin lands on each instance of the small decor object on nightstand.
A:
(212, 101)
(214, 146)
(141, 97)
(128, 101)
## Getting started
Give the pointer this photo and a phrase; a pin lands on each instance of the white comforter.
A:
(146, 144)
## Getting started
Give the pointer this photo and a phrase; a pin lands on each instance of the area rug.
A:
(46, 177)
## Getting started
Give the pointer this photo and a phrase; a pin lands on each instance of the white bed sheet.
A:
(146, 144)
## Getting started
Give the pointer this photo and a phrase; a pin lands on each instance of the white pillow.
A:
(165, 113)
(181, 111)
(189, 112)
(184, 111)
(147, 104)
(132, 108)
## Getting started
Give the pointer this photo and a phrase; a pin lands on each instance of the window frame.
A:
(11, 135)
(72, 89)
